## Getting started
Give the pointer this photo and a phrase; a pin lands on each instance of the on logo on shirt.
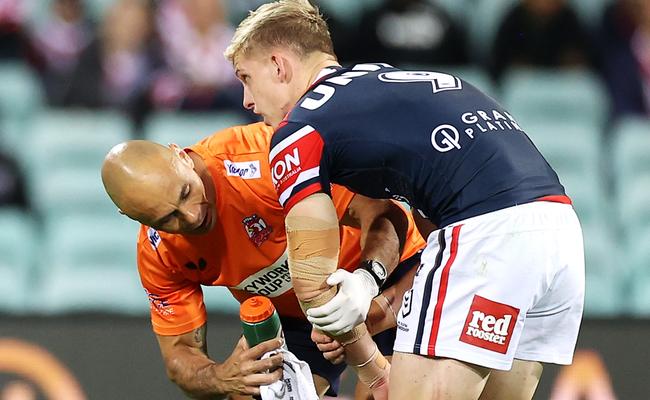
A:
(489, 325)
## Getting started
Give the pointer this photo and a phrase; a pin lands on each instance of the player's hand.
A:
(349, 307)
(331, 349)
(243, 372)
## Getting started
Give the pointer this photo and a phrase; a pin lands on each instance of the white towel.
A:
(296, 383)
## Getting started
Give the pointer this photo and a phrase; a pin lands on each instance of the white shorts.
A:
(503, 285)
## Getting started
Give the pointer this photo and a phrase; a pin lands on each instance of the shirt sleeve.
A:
(298, 167)
(176, 304)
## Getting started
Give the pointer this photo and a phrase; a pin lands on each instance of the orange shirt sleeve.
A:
(341, 197)
(176, 304)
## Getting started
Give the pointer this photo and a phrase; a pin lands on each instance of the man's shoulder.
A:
(235, 140)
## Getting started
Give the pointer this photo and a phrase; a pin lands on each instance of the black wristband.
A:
(376, 270)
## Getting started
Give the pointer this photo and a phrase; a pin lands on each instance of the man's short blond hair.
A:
(296, 24)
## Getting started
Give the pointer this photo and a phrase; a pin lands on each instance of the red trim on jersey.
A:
(559, 198)
(301, 195)
(283, 122)
(442, 291)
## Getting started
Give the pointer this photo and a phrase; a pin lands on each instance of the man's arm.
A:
(188, 365)
(384, 228)
(313, 245)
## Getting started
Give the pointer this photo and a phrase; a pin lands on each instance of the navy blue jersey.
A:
(427, 138)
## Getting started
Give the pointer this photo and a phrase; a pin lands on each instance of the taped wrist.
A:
(374, 371)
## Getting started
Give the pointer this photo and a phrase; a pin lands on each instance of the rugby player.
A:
(501, 286)
(210, 216)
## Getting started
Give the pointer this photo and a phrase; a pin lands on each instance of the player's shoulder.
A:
(235, 140)
(152, 241)
(337, 90)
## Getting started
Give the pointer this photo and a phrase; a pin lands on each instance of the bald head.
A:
(155, 185)
(135, 164)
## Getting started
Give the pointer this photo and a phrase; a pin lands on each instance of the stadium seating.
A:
(631, 173)
(605, 269)
(484, 18)
(63, 155)
(638, 256)
(188, 128)
(88, 263)
(574, 151)
(72, 192)
(17, 247)
(533, 95)
(21, 96)
(219, 299)
(74, 138)
(590, 12)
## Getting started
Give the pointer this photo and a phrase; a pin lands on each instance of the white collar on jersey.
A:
(323, 72)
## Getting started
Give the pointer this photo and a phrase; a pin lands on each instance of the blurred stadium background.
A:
(68, 280)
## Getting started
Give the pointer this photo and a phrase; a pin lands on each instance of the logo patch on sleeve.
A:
(295, 162)
(489, 325)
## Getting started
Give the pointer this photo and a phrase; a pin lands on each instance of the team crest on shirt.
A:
(257, 229)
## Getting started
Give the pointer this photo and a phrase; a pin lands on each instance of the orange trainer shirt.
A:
(246, 250)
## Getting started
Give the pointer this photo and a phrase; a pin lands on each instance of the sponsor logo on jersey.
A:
(159, 305)
(271, 281)
(286, 166)
(445, 137)
(257, 229)
(154, 238)
(482, 121)
(407, 303)
(295, 160)
(243, 169)
(489, 325)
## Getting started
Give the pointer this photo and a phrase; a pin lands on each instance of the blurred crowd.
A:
(149, 55)
(167, 54)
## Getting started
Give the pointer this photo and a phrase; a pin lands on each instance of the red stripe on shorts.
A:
(442, 291)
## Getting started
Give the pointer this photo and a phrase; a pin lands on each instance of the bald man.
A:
(210, 216)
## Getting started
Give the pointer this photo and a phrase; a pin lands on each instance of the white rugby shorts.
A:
(503, 285)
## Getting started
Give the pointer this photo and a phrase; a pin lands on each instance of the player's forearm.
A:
(382, 314)
(313, 244)
(196, 375)
(383, 236)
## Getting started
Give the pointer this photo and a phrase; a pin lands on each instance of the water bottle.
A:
(260, 321)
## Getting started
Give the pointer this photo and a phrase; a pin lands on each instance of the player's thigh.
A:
(517, 384)
(417, 377)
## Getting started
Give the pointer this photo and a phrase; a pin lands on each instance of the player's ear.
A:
(182, 154)
(283, 70)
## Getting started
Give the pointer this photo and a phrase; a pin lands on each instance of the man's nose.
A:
(248, 102)
(192, 214)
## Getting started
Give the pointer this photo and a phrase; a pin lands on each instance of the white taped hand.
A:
(349, 307)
